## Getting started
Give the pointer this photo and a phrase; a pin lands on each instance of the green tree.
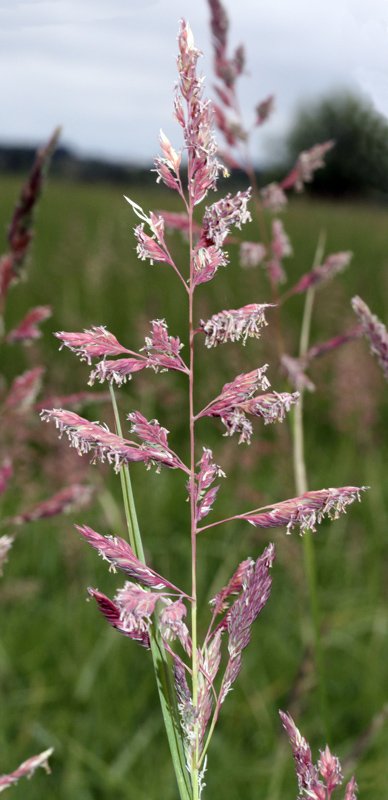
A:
(358, 164)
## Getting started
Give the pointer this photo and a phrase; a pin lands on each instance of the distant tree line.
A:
(67, 164)
(358, 164)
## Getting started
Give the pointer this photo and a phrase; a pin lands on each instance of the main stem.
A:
(160, 659)
(194, 770)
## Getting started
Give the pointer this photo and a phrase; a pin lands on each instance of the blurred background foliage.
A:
(68, 681)
(358, 164)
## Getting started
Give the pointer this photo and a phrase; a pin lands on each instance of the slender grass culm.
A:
(194, 677)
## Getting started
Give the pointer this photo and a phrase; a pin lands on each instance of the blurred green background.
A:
(70, 682)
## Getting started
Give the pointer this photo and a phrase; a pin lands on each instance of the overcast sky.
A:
(105, 69)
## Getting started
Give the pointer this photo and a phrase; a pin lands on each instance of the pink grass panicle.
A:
(252, 254)
(231, 326)
(94, 343)
(20, 232)
(280, 248)
(69, 499)
(120, 555)
(163, 351)
(27, 330)
(92, 437)
(26, 769)
(6, 543)
(244, 611)
(6, 472)
(308, 510)
(23, 391)
(333, 265)
(208, 472)
(200, 143)
(308, 162)
(239, 398)
(273, 198)
(112, 614)
(309, 775)
(374, 331)
(194, 678)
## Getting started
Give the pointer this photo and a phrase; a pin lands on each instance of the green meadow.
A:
(70, 682)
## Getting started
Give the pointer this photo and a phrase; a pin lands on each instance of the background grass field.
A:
(69, 681)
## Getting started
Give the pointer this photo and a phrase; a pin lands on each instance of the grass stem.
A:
(160, 658)
(301, 484)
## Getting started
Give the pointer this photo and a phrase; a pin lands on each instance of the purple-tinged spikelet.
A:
(294, 368)
(207, 260)
(375, 332)
(27, 330)
(6, 472)
(210, 660)
(69, 499)
(322, 348)
(91, 437)
(120, 556)
(163, 351)
(264, 109)
(333, 265)
(238, 398)
(26, 769)
(136, 606)
(251, 254)
(280, 248)
(235, 324)
(94, 343)
(24, 390)
(20, 231)
(255, 591)
(197, 125)
(330, 769)
(227, 69)
(222, 215)
(351, 790)
(119, 370)
(112, 614)
(306, 511)
(273, 197)
(208, 472)
(172, 625)
(235, 585)
(6, 543)
(148, 247)
(308, 162)
(167, 165)
(308, 774)
(271, 407)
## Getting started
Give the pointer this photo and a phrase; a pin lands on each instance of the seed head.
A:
(27, 330)
(26, 769)
(308, 510)
(235, 324)
(94, 343)
(251, 254)
(375, 332)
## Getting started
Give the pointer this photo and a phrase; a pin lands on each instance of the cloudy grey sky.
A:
(104, 69)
